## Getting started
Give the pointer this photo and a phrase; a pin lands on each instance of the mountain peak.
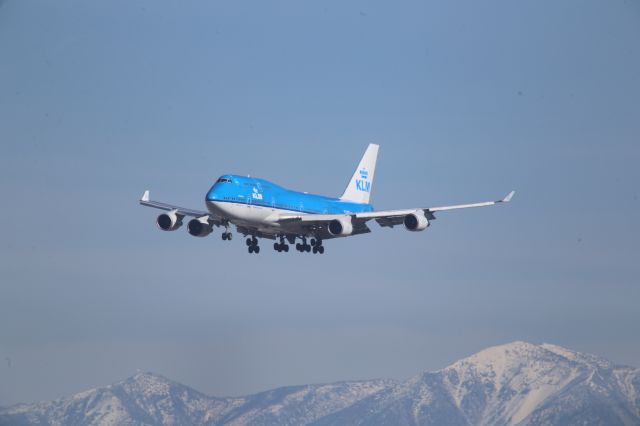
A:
(147, 377)
(519, 352)
(147, 383)
(495, 360)
(515, 383)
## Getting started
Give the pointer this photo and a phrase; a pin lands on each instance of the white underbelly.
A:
(263, 218)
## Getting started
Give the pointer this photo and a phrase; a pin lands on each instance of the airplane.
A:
(261, 209)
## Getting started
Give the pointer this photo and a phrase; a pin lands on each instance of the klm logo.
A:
(362, 184)
(256, 195)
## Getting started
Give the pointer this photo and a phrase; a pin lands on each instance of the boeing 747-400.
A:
(261, 209)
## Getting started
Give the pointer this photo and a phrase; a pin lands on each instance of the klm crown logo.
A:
(256, 194)
(362, 184)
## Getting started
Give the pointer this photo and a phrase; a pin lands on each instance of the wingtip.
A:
(508, 197)
(145, 196)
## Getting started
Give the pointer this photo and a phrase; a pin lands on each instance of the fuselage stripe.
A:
(275, 206)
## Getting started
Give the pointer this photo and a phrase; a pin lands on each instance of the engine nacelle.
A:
(416, 221)
(341, 227)
(200, 227)
(169, 221)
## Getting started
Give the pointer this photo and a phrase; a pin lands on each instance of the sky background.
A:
(101, 100)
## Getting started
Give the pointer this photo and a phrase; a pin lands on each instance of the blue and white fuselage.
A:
(257, 202)
(262, 209)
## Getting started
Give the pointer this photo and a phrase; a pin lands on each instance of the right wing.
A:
(396, 217)
(145, 201)
(384, 217)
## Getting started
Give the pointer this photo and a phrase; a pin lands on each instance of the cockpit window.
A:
(223, 180)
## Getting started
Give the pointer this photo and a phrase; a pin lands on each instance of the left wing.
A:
(182, 211)
(387, 217)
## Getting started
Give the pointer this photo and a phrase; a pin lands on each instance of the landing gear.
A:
(252, 245)
(316, 244)
(304, 246)
(281, 246)
(226, 235)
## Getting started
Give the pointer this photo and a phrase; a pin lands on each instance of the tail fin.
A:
(359, 188)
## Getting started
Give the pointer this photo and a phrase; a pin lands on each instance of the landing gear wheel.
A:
(286, 248)
(256, 249)
(299, 247)
(229, 236)
(315, 250)
(276, 246)
(250, 248)
(321, 249)
(313, 242)
(249, 242)
(307, 248)
(224, 236)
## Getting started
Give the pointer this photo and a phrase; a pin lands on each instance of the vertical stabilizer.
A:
(360, 185)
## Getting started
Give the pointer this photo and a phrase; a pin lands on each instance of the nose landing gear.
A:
(226, 235)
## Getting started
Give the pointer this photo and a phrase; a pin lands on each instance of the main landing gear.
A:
(281, 246)
(317, 246)
(315, 243)
(252, 244)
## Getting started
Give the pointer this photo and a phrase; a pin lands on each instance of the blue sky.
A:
(102, 100)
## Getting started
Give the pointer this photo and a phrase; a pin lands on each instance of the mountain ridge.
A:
(517, 383)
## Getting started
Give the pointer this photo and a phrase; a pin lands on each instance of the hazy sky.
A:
(468, 100)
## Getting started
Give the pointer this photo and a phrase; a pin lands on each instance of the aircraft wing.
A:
(387, 217)
(145, 201)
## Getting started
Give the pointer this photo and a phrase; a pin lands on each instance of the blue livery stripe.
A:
(260, 192)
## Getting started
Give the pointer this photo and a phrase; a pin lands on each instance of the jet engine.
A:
(416, 221)
(169, 221)
(200, 227)
(341, 227)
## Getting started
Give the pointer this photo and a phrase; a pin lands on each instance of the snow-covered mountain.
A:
(514, 384)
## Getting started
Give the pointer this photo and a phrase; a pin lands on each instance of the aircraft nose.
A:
(211, 195)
